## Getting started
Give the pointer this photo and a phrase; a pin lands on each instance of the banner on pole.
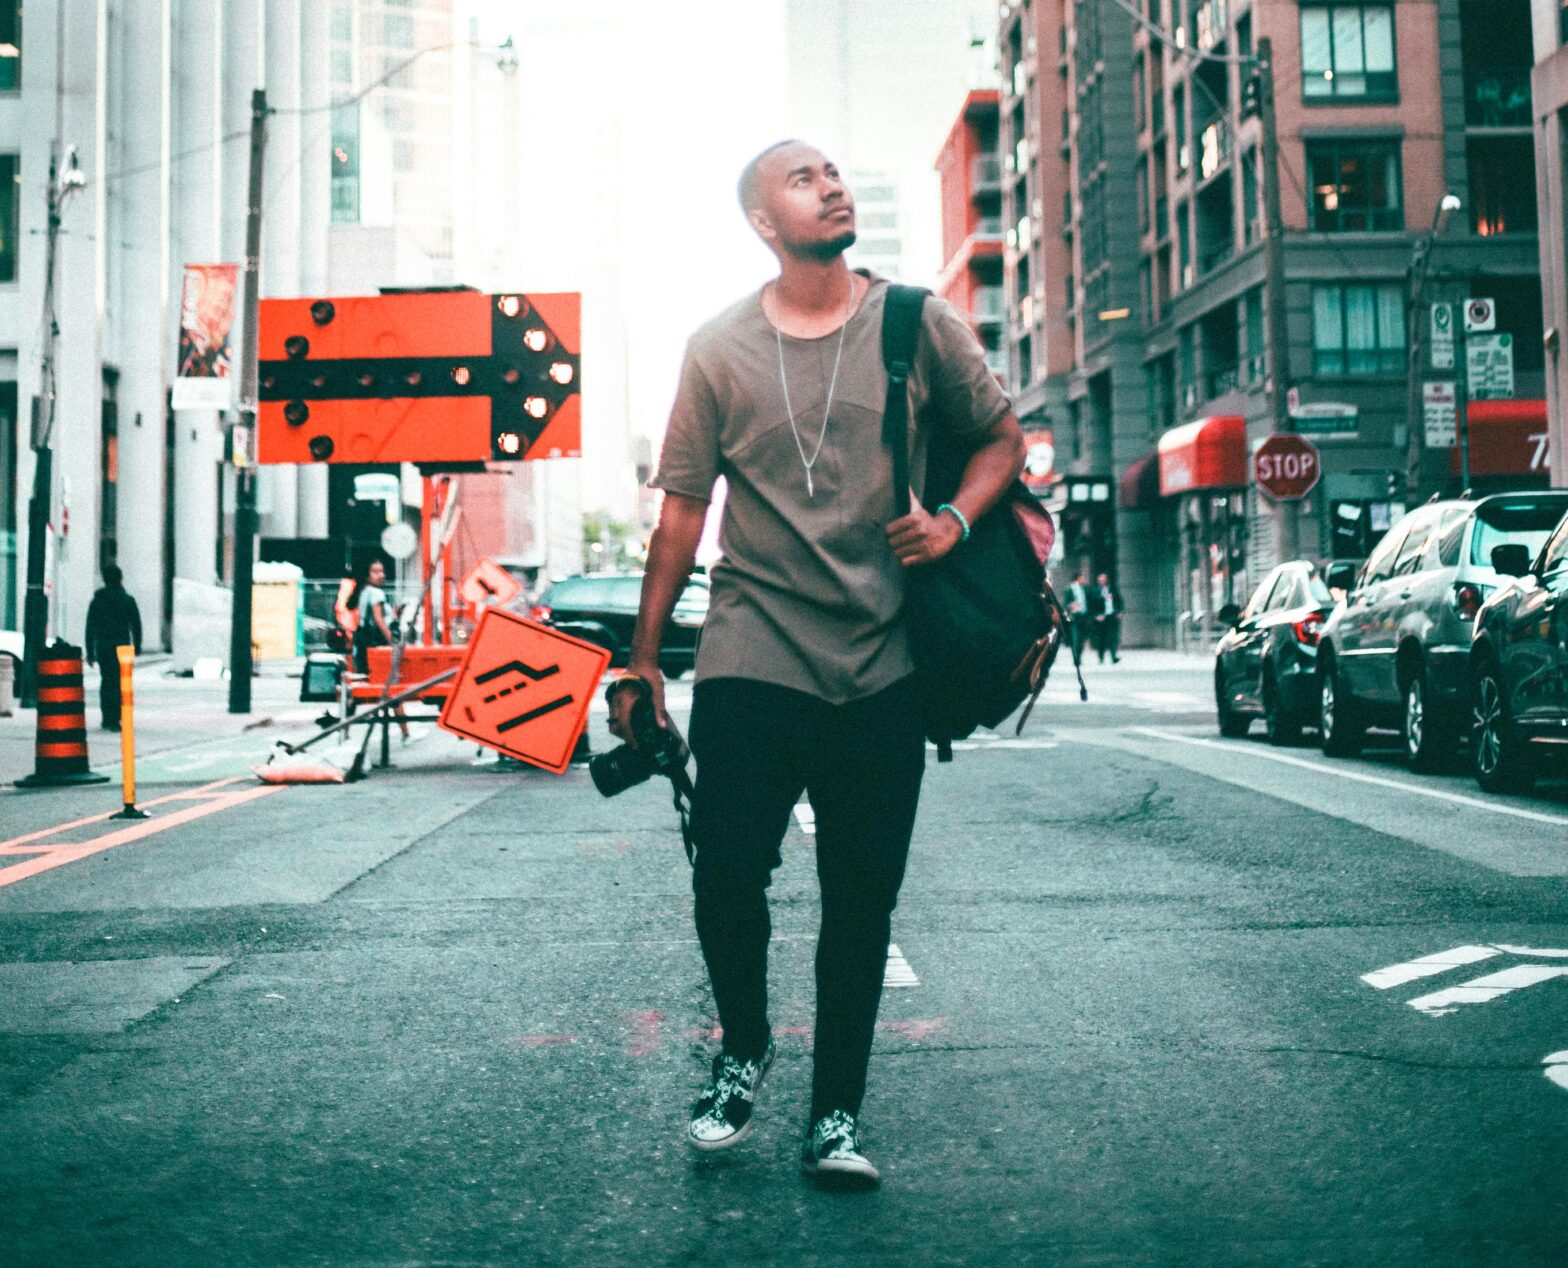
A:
(204, 378)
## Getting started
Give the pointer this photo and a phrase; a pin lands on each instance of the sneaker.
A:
(722, 1115)
(832, 1153)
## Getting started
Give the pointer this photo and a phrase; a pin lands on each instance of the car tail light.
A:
(540, 613)
(1467, 598)
(1309, 628)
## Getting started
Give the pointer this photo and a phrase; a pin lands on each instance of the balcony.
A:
(1212, 257)
(988, 229)
(1211, 22)
(1214, 147)
(985, 174)
(990, 305)
(1497, 97)
(1217, 383)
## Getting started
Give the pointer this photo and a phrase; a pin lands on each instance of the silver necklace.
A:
(809, 463)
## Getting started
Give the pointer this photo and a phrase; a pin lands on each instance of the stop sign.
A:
(1286, 466)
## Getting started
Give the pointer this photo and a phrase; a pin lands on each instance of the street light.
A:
(63, 183)
(1420, 268)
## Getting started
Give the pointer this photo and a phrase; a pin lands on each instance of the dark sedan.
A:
(1519, 667)
(602, 608)
(1266, 665)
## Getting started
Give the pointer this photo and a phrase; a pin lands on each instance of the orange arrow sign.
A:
(524, 690)
(488, 582)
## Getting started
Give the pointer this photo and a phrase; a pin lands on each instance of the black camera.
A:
(653, 750)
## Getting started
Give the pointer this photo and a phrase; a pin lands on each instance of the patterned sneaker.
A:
(722, 1115)
(832, 1153)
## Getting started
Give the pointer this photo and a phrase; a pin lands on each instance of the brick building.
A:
(1382, 109)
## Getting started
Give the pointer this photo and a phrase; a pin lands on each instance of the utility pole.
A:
(35, 611)
(1274, 285)
(246, 521)
(1420, 318)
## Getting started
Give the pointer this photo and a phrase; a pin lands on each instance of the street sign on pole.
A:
(1440, 414)
(1286, 466)
(1480, 316)
(1489, 362)
(1442, 337)
(524, 690)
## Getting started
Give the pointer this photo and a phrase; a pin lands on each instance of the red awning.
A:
(1139, 487)
(1507, 438)
(1208, 454)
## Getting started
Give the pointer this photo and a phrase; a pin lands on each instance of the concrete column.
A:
(196, 186)
(142, 317)
(79, 306)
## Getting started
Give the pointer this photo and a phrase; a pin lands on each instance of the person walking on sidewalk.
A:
(113, 621)
(374, 628)
(1078, 620)
(804, 676)
(1105, 602)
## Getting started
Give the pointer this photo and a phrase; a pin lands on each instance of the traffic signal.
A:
(1252, 94)
(438, 377)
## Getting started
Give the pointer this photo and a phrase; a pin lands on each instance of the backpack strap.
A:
(900, 337)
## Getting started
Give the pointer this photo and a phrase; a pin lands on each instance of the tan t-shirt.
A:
(809, 594)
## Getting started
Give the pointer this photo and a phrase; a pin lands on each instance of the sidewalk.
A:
(171, 712)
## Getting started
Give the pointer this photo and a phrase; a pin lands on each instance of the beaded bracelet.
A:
(958, 515)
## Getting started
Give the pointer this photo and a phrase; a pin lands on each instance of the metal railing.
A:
(985, 172)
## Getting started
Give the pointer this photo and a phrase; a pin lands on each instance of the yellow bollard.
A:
(127, 658)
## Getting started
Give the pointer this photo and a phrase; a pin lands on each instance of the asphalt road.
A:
(1165, 1009)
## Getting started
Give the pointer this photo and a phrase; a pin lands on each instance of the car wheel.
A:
(1339, 727)
(1429, 738)
(1283, 729)
(1500, 756)
(1233, 725)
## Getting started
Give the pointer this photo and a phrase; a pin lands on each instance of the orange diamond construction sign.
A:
(524, 690)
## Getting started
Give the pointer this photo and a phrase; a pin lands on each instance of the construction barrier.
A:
(126, 655)
(61, 747)
(7, 685)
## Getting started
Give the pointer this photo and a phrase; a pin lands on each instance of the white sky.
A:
(648, 109)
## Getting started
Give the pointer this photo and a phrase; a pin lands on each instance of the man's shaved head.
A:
(749, 187)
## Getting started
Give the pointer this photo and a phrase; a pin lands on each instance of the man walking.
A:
(1106, 604)
(803, 679)
(1078, 621)
(113, 620)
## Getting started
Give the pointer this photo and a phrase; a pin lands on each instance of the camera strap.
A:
(684, 791)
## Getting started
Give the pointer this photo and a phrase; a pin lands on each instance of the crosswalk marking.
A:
(806, 817)
(1427, 966)
(1485, 989)
(898, 972)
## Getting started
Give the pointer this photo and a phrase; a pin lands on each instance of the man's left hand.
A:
(923, 538)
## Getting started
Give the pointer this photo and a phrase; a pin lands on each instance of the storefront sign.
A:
(1490, 362)
(1440, 414)
(1326, 418)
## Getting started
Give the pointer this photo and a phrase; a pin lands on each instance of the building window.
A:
(10, 45)
(1502, 184)
(1347, 53)
(1355, 186)
(397, 30)
(343, 23)
(342, 62)
(10, 214)
(345, 166)
(1358, 330)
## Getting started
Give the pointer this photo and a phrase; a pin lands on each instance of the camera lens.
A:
(619, 769)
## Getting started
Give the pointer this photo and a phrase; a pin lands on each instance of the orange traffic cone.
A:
(61, 748)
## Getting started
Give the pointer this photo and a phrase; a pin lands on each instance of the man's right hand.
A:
(622, 701)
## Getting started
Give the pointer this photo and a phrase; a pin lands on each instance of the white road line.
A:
(1427, 966)
(1557, 1068)
(1436, 794)
(1485, 989)
(806, 817)
(898, 972)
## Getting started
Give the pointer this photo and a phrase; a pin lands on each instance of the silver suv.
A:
(1396, 652)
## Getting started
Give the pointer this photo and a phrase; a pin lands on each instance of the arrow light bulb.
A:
(561, 372)
(536, 406)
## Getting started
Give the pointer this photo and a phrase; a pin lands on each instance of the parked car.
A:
(1396, 653)
(1266, 664)
(602, 608)
(1519, 666)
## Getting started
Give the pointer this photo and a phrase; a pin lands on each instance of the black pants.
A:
(108, 658)
(1078, 631)
(758, 747)
(1108, 637)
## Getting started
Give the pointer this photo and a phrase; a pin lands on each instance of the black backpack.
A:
(984, 624)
